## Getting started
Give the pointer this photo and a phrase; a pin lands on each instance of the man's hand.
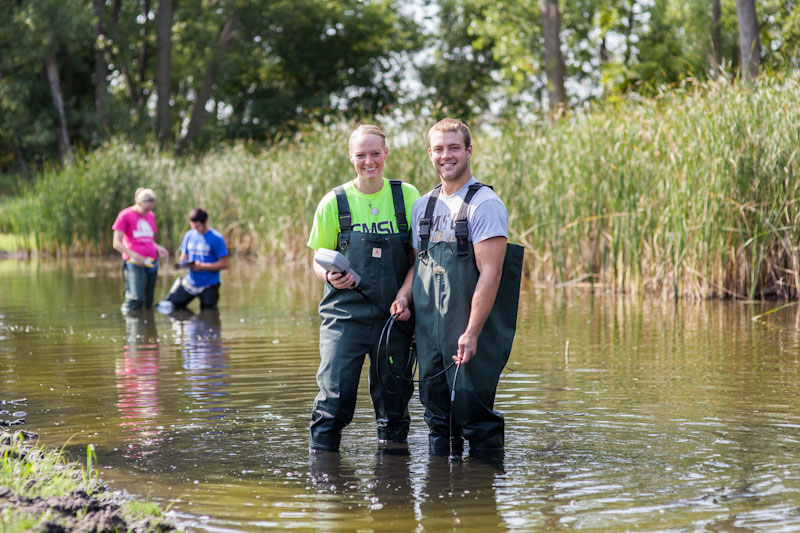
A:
(467, 344)
(162, 252)
(401, 308)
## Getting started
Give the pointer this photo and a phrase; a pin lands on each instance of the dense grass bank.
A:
(40, 490)
(694, 193)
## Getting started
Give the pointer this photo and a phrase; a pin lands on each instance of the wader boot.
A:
(352, 321)
(445, 276)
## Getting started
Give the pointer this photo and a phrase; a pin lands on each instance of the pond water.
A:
(656, 417)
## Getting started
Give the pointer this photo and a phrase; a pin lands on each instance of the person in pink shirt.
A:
(134, 237)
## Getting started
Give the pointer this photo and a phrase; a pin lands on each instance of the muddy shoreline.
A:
(46, 492)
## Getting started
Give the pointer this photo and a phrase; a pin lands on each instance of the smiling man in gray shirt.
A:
(459, 232)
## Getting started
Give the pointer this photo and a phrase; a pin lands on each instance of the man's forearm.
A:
(482, 302)
(216, 266)
(489, 257)
(405, 289)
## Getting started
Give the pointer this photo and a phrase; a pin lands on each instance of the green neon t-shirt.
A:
(370, 213)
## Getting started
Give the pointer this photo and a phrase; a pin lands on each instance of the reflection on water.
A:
(205, 360)
(658, 416)
(461, 495)
(387, 491)
(137, 385)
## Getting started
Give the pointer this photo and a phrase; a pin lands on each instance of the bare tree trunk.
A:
(553, 59)
(716, 38)
(144, 50)
(207, 88)
(628, 33)
(100, 67)
(135, 91)
(51, 69)
(603, 51)
(23, 164)
(163, 71)
(749, 39)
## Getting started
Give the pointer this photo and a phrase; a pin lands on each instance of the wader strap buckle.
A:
(425, 221)
(399, 206)
(462, 249)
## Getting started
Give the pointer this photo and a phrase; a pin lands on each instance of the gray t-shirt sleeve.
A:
(490, 219)
(416, 214)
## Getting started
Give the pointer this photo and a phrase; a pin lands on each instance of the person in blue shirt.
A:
(204, 253)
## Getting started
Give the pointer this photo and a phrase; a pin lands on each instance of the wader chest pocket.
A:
(377, 240)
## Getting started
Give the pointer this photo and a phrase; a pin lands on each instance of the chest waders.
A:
(445, 276)
(351, 327)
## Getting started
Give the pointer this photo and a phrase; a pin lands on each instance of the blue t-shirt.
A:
(206, 247)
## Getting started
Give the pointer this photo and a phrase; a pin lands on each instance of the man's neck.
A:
(450, 187)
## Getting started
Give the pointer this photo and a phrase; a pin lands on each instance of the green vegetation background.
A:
(690, 193)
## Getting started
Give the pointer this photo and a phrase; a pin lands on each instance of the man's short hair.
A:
(198, 215)
(449, 125)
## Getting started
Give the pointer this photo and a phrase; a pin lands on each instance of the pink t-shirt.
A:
(138, 232)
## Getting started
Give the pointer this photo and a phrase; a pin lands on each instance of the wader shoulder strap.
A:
(399, 206)
(425, 221)
(345, 221)
(462, 249)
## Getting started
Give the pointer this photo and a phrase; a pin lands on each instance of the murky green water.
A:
(662, 417)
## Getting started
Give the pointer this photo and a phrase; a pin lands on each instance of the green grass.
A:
(692, 193)
(14, 243)
(36, 474)
(39, 474)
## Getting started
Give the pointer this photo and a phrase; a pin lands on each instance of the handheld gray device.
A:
(335, 262)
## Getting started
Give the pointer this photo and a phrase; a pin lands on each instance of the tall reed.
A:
(691, 193)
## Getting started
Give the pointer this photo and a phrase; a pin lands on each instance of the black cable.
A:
(384, 335)
(384, 338)
(382, 310)
(410, 362)
(453, 457)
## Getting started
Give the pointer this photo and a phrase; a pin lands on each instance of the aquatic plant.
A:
(90, 477)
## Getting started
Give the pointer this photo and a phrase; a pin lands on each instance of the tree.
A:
(749, 39)
(716, 36)
(45, 44)
(301, 60)
(512, 31)
(100, 65)
(164, 72)
(779, 22)
(553, 60)
(54, 80)
(458, 75)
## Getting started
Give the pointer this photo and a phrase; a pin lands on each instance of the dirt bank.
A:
(42, 491)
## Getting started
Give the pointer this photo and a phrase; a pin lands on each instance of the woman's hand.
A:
(339, 280)
(401, 308)
(136, 259)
